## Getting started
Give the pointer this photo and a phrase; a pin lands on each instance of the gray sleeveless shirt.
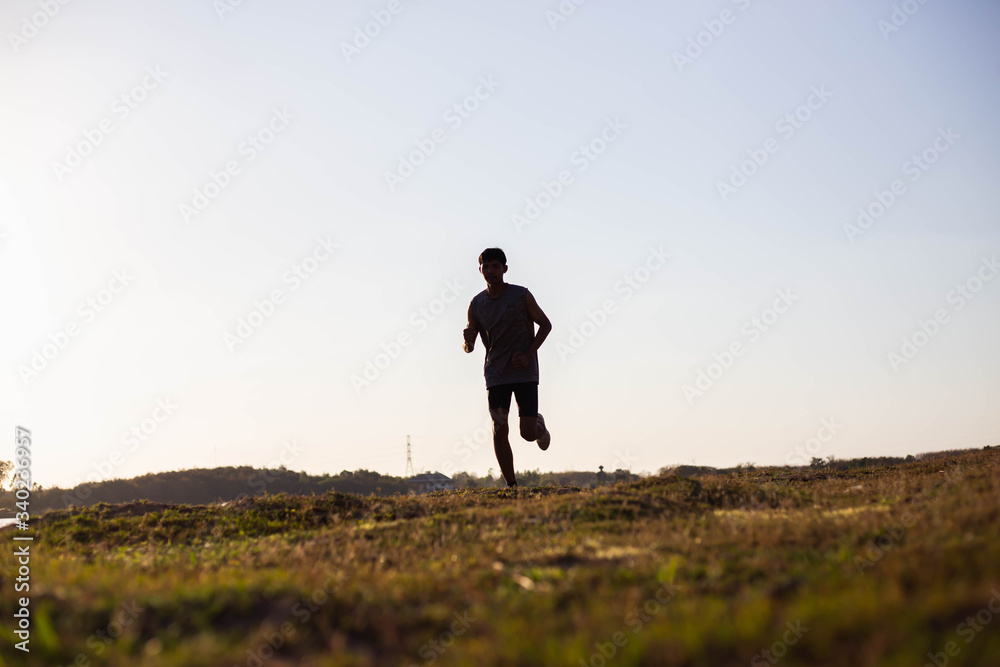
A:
(505, 328)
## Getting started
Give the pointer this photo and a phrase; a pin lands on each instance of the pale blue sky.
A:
(618, 401)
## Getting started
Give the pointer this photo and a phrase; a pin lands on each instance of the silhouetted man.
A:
(504, 317)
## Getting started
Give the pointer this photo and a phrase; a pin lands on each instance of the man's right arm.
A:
(470, 332)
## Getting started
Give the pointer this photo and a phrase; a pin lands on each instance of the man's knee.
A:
(500, 420)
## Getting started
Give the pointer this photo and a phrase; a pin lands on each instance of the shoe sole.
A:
(548, 436)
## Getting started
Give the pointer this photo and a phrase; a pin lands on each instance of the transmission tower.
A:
(409, 459)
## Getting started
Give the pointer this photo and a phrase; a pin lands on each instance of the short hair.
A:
(491, 254)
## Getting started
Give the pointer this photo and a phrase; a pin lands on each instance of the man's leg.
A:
(529, 427)
(501, 445)
(526, 394)
(499, 400)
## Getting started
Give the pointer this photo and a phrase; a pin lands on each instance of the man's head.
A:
(493, 264)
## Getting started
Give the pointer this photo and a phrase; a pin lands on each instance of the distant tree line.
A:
(203, 486)
(582, 479)
(211, 485)
(829, 463)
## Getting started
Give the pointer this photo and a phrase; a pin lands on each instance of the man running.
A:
(504, 317)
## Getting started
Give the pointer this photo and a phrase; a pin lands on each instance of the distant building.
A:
(430, 481)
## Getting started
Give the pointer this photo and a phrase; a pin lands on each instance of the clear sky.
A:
(678, 184)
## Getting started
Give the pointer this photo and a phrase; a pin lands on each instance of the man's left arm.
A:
(539, 318)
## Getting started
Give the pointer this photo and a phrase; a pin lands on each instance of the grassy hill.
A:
(861, 566)
(214, 485)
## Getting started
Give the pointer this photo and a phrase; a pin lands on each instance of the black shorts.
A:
(526, 394)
